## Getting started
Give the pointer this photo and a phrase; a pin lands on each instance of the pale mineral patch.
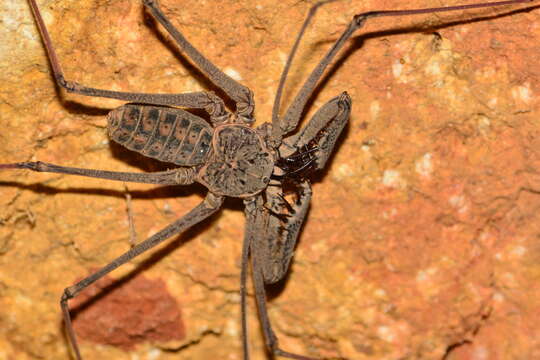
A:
(191, 85)
(282, 57)
(484, 125)
(23, 300)
(480, 353)
(424, 165)
(202, 328)
(393, 179)
(231, 327)
(386, 333)
(167, 207)
(508, 279)
(433, 68)
(16, 21)
(154, 230)
(426, 281)
(424, 275)
(233, 73)
(518, 251)
(320, 246)
(397, 68)
(153, 354)
(498, 297)
(22, 23)
(522, 93)
(459, 202)
(234, 298)
(343, 171)
(374, 109)
(389, 214)
(487, 72)
(380, 293)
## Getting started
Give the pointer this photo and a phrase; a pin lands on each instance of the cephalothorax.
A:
(231, 159)
(227, 155)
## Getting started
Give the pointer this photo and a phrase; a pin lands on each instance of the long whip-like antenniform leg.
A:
(198, 100)
(209, 206)
(285, 72)
(282, 126)
(180, 176)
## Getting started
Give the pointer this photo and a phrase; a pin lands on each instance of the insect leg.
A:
(207, 207)
(239, 93)
(180, 176)
(290, 120)
(198, 100)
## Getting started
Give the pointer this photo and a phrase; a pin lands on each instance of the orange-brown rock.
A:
(423, 239)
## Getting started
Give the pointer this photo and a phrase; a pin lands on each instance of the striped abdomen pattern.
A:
(167, 134)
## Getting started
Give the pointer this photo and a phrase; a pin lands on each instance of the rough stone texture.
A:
(423, 240)
(126, 313)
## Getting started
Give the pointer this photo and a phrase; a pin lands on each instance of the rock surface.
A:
(423, 239)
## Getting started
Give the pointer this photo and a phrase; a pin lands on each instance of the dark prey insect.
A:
(226, 155)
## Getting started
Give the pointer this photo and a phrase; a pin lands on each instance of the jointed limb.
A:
(179, 176)
(271, 246)
(277, 99)
(250, 212)
(278, 224)
(321, 132)
(239, 93)
(292, 116)
(196, 100)
(269, 335)
(209, 206)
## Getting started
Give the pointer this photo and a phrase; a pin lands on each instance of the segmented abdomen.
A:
(167, 134)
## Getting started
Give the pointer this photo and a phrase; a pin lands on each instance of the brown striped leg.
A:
(197, 100)
(209, 206)
(250, 212)
(236, 91)
(180, 176)
(269, 335)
